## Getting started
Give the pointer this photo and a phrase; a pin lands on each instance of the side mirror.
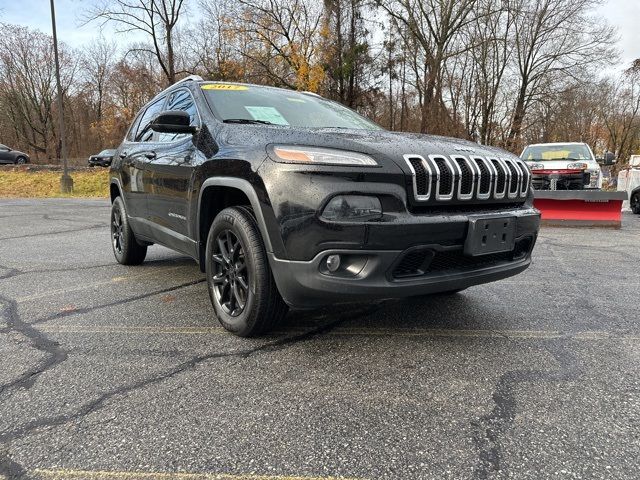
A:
(173, 121)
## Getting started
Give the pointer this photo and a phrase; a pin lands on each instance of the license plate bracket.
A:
(487, 235)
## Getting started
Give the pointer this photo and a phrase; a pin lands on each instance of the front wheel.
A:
(635, 203)
(241, 286)
(21, 161)
(126, 248)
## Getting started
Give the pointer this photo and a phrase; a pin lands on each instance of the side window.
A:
(131, 134)
(144, 132)
(180, 100)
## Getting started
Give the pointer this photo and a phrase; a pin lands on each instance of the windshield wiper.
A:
(247, 121)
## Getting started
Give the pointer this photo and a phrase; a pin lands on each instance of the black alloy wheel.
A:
(126, 248)
(241, 286)
(117, 231)
(230, 275)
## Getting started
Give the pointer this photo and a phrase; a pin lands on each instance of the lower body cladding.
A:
(348, 275)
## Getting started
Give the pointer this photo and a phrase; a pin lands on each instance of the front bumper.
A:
(392, 273)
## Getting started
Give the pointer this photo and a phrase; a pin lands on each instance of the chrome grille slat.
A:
(463, 176)
(427, 168)
(515, 178)
(467, 178)
(503, 177)
(526, 178)
(484, 165)
(441, 179)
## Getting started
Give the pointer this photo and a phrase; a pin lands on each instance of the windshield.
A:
(106, 152)
(262, 105)
(557, 151)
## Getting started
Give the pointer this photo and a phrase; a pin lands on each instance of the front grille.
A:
(456, 260)
(411, 264)
(464, 178)
(425, 261)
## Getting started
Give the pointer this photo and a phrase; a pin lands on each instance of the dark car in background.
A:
(102, 159)
(10, 156)
(634, 200)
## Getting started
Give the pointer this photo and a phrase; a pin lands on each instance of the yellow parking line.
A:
(391, 332)
(64, 474)
(127, 329)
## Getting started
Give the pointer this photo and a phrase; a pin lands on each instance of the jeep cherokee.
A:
(286, 199)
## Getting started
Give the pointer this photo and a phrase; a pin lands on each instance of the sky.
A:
(624, 15)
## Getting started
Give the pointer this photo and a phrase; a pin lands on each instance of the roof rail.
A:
(190, 78)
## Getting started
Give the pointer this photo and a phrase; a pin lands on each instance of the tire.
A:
(243, 293)
(126, 248)
(635, 203)
(21, 161)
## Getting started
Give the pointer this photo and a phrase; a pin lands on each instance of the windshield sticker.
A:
(266, 114)
(221, 86)
(297, 100)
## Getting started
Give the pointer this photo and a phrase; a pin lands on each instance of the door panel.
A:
(172, 172)
(136, 155)
(5, 156)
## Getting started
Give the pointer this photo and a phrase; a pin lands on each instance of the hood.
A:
(383, 145)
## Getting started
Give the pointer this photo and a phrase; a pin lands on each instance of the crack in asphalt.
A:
(14, 272)
(10, 468)
(98, 403)
(52, 348)
(57, 232)
(54, 353)
(123, 301)
(490, 429)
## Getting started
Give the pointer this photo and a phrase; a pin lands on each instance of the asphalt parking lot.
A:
(109, 370)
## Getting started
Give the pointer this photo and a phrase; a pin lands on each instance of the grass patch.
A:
(26, 184)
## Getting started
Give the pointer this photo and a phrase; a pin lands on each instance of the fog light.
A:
(333, 263)
(353, 208)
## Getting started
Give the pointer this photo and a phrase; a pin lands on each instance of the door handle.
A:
(123, 154)
(150, 155)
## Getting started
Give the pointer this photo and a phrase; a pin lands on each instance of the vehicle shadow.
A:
(461, 311)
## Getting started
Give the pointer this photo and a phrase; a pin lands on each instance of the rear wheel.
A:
(635, 203)
(21, 161)
(241, 286)
(126, 249)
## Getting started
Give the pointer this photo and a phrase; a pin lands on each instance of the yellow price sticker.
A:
(223, 86)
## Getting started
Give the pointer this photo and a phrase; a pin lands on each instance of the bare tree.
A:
(28, 89)
(283, 42)
(553, 38)
(435, 25)
(158, 19)
(98, 61)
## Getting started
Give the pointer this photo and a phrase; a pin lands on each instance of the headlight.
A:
(577, 166)
(535, 166)
(324, 156)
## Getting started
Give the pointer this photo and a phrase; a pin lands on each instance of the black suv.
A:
(286, 199)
